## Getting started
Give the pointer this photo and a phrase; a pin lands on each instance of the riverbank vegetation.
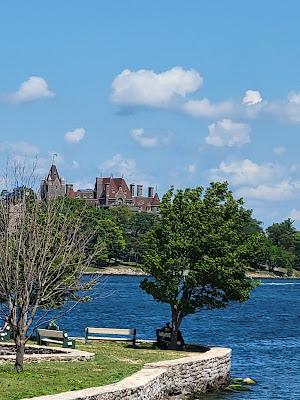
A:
(112, 363)
(121, 240)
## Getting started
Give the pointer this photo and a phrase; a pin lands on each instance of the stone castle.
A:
(108, 192)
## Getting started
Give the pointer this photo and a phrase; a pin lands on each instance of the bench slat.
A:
(51, 340)
(110, 331)
(51, 333)
(119, 339)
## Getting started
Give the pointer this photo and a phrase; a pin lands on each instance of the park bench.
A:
(120, 335)
(46, 336)
(164, 340)
(5, 334)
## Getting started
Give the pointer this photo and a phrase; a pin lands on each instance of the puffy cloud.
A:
(75, 136)
(127, 167)
(33, 89)
(21, 148)
(204, 108)
(86, 184)
(284, 190)
(295, 214)
(245, 172)
(294, 98)
(285, 109)
(252, 97)
(147, 88)
(144, 140)
(120, 166)
(279, 151)
(228, 133)
(267, 182)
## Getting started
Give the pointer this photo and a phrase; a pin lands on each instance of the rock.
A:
(249, 381)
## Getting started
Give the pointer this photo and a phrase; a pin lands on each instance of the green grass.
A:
(112, 363)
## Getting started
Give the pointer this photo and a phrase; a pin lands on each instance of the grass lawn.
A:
(113, 362)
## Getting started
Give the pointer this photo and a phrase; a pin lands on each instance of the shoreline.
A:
(135, 271)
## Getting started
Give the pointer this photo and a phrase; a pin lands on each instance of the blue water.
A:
(264, 332)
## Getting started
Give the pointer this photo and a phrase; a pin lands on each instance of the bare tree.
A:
(43, 253)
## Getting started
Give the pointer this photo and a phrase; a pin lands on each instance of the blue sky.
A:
(166, 93)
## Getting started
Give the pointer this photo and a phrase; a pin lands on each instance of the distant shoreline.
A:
(135, 271)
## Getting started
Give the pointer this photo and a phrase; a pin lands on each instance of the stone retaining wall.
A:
(196, 372)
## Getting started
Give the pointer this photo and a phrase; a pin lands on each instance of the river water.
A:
(264, 332)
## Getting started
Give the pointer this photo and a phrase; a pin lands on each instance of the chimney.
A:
(106, 193)
(69, 189)
(150, 191)
(139, 190)
(132, 189)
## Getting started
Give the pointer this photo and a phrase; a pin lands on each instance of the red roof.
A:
(155, 200)
(114, 185)
(146, 202)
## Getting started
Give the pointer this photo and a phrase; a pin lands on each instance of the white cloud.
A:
(228, 133)
(245, 172)
(204, 108)
(288, 109)
(127, 167)
(295, 214)
(144, 140)
(120, 166)
(284, 190)
(279, 151)
(294, 98)
(83, 185)
(252, 97)
(21, 148)
(75, 136)
(33, 89)
(147, 88)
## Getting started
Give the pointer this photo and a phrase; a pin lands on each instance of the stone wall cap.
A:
(192, 357)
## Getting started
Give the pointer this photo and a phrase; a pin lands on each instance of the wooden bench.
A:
(120, 335)
(5, 334)
(46, 336)
(164, 340)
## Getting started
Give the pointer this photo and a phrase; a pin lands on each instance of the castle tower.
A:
(53, 186)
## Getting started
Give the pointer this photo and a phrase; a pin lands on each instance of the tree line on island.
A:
(123, 236)
(197, 251)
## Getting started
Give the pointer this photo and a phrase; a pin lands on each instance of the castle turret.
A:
(53, 186)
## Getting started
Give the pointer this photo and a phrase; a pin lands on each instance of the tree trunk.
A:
(20, 351)
(176, 322)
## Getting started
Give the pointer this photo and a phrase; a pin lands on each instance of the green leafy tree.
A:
(297, 250)
(195, 253)
(140, 224)
(284, 237)
(282, 234)
(135, 225)
(109, 241)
